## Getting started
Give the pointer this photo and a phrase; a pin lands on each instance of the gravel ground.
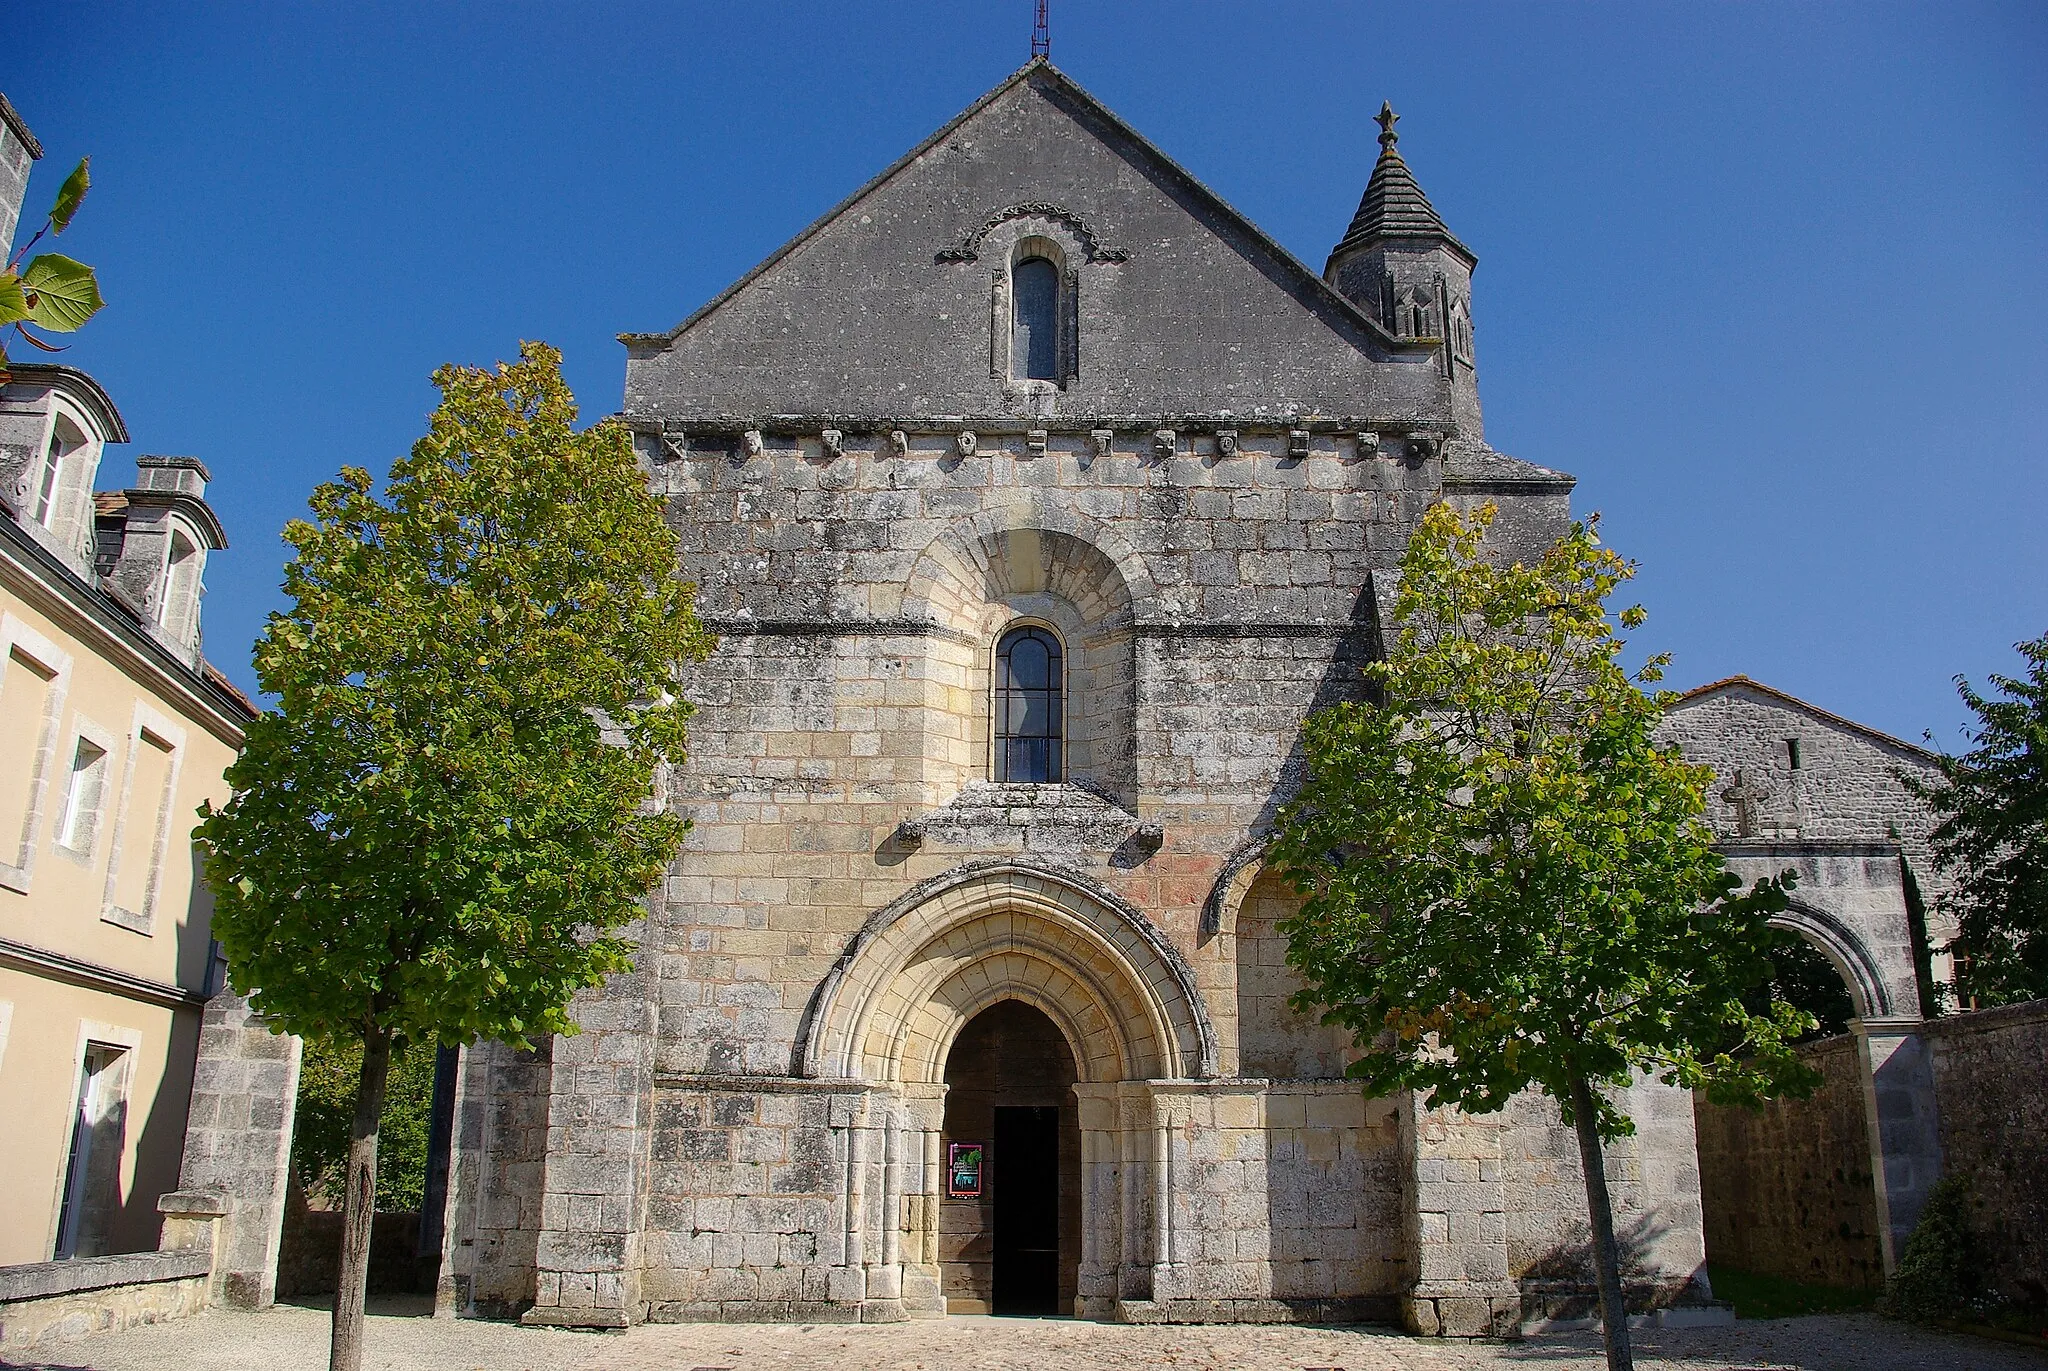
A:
(293, 1338)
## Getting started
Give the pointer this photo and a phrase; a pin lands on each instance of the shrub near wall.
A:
(1991, 1084)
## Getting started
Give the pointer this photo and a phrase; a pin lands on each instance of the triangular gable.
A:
(1744, 685)
(881, 307)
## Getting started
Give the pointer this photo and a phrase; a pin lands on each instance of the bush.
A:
(1938, 1276)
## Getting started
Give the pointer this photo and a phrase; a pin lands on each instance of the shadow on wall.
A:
(1562, 1281)
(309, 1253)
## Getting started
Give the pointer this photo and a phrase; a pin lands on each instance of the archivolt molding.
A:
(1091, 246)
(1081, 558)
(1847, 952)
(1233, 882)
(1008, 929)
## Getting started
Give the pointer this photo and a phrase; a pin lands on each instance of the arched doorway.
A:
(1014, 1248)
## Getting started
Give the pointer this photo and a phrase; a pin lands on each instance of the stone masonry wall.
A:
(1991, 1077)
(1788, 1189)
(1653, 1182)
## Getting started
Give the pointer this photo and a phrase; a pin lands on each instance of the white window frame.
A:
(92, 1033)
(148, 721)
(18, 851)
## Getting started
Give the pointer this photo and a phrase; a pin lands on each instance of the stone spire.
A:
(1393, 205)
(1402, 266)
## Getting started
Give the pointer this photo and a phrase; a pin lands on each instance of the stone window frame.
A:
(17, 638)
(1035, 237)
(177, 604)
(84, 729)
(148, 724)
(70, 522)
(1051, 630)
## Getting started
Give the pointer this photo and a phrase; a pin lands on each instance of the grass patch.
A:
(1757, 1296)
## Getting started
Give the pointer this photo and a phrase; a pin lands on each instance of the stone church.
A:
(1037, 496)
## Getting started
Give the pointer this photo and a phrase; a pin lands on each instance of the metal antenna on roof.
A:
(1041, 34)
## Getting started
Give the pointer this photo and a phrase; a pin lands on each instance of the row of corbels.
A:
(1165, 442)
(911, 833)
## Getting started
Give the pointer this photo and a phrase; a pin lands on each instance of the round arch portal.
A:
(950, 948)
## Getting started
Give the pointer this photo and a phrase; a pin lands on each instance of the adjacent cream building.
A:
(113, 729)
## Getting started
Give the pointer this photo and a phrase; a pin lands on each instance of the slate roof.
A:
(1394, 206)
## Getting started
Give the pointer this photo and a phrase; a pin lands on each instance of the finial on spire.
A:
(1041, 34)
(1386, 119)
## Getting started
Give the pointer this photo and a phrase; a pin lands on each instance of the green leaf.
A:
(65, 292)
(70, 195)
(13, 304)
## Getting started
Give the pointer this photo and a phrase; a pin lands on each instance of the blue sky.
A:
(1772, 281)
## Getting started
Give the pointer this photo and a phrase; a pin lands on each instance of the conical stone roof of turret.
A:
(1393, 205)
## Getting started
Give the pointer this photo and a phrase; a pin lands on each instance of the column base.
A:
(1467, 1312)
(555, 1316)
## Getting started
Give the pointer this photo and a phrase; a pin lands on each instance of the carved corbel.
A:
(1104, 440)
(750, 442)
(1297, 442)
(1226, 442)
(899, 442)
(1164, 441)
(1034, 441)
(1368, 444)
(829, 440)
(965, 443)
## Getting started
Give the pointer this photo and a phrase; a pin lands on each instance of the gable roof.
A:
(1137, 142)
(1739, 682)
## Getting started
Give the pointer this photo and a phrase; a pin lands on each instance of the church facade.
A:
(1037, 497)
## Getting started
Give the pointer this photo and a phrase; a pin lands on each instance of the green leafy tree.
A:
(439, 832)
(53, 292)
(1508, 883)
(324, 1121)
(1991, 807)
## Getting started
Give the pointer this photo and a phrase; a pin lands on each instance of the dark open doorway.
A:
(1027, 1209)
(1015, 1248)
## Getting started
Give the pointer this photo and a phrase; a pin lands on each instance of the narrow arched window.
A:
(1034, 320)
(1028, 706)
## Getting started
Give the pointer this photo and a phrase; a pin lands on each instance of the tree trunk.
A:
(1606, 1253)
(359, 1208)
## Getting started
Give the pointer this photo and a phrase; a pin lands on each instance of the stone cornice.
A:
(34, 573)
(93, 976)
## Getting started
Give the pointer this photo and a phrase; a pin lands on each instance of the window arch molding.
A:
(1028, 674)
(1034, 341)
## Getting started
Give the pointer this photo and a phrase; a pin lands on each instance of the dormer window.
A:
(1035, 320)
(178, 607)
(64, 450)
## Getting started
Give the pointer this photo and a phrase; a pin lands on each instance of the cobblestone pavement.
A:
(295, 1339)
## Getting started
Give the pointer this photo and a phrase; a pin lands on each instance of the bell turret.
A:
(1402, 266)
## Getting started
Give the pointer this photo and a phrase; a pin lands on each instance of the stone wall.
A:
(309, 1255)
(238, 1137)
(1788, 1189)
(48, 1302)
(1991, 1076)
(496, 1159)
(1653, 1182)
